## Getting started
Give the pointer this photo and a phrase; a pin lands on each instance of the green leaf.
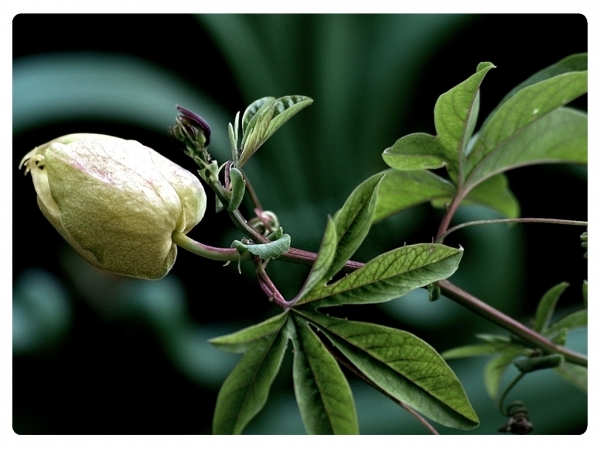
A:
(249, 337)
(353, 221)
(400, 190)
(495, 368)
(525, 119)
(415, 152)
(573, 63)
(245, 390)
(322, 391)
(284, 109)
(320, 267)
(569, 322)
(389, 276)
(257, 130)
(251, 111)
(574, 374)
(270, 250)
(264, 117)
(557, 137)
(584, 291)
(469, 351)
(500, 341)
(495, 194)
(455, 115)
(238, 188)
(545, 308)
(404, 366)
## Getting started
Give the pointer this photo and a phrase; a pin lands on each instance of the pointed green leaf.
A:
(569, 322)
(270, 250)
(415, 152)
(238, 188)
(400, 190)
(322, 392)
(524, 118)
(500, 341)
(249, 337)
(389, 276)
(495, 194)
(469, 351)
(251, 111)
(252, 141)
(495, 368)
(557, 137)
(573, 63)
(245, 390)
(574, 374)
(545, 308)
(353, 221)
(584, 290)
(404, 366)
(284, 109)
(455, 115)
(320, 267)
(264, 117)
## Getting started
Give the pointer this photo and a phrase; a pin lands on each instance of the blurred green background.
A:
(100, 354)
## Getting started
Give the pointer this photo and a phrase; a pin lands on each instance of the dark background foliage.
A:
(97, 354)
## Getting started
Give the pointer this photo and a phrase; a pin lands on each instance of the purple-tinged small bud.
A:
(193, 120)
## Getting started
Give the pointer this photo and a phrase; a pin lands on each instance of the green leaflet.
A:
(244, 392)
(250, 116)
(574, 374)
(455, 116)
(469, 351)
(572, 63)
(572, 321)
(529, 126)
(558, 137)
(517, 132)
(389, 276)
(238, 188)
(353, 221)
(495, 368)
(545, 308)
(322, 392)
(400, 190)
(402, 365)
(415, 152)
(265, 116)
(318, 272)
(495, 194)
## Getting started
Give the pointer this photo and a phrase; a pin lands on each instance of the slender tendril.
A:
(508, 389)
(441, 238)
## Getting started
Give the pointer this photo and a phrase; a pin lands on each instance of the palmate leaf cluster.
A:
(399, 363)
(531, 125)
(506, 350)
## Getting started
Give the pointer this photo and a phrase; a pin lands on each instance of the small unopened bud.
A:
(193, 131)
(115, 201)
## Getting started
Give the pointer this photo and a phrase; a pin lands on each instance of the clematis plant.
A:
(125, 208)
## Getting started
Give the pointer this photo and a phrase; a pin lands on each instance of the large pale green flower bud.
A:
(115, 201)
